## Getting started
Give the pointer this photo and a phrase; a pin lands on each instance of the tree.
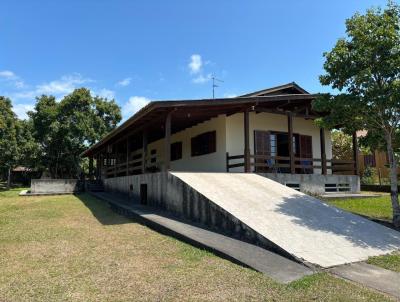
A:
(65, 129)
(342, 146)
(365, 68)
(8, 138)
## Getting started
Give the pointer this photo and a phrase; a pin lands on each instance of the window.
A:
(204, 143)
(176, 151)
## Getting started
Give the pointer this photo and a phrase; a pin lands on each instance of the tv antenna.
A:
(214, 85)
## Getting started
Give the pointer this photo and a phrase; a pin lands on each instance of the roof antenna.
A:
(214, 80)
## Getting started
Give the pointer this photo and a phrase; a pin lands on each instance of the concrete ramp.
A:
(303, 226)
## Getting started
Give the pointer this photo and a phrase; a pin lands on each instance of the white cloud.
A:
(7, 74)
(105, 93)
(230, 95)
(195, 64)
(133, 105)
(62, 86)
(124, 82)
(10, 77)
(200, 79)
(22, 109)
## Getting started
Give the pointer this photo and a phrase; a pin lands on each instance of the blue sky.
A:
(136, 51)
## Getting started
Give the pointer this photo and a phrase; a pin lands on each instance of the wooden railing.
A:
(134, 166)
(281, 164)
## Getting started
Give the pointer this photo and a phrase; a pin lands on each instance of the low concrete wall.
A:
(315, 183)
(55, 185)
(169, 193)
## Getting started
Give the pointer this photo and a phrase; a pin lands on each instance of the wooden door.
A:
(262, 147)
(305, 153)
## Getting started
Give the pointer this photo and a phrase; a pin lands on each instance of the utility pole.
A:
(214, 85)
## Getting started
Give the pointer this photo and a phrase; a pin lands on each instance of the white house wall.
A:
(271, 122)
(213, 162)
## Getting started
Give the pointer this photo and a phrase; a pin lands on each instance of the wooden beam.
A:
(290, 142)
(282, 112)
(167, 142)
(323, 151)
(355, 154)
(246, 141)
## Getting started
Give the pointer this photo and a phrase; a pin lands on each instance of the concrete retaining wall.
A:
(314, 183)
(169, 193)
(54, 185)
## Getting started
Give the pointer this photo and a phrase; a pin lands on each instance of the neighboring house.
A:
(270, 132)
(377, 160)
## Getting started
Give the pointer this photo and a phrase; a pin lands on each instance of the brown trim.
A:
(290, 143)
(323, 151)
(246, 141)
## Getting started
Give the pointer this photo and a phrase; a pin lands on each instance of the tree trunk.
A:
(9, 178)
(393, 182)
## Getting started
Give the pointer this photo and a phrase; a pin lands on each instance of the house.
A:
(233, 165)
(270, 132)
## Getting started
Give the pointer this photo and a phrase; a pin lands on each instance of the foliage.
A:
(365, 68)
(65, 129)
(342, 145)
(369, 176)
(8, 136)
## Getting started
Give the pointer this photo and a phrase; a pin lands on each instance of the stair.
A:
(94, 186)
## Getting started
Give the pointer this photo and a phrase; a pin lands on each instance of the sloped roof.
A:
(289, 88)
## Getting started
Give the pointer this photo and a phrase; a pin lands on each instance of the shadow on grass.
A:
(102, 211)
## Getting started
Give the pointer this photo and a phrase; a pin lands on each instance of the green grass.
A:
(73, 248)
(377, 207)
(390, 262)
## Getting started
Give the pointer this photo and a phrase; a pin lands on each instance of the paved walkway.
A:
(371, 276)
(275, 266)
(305, 227)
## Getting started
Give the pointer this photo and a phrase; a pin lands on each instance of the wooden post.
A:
(144, 151)
(127, 156)
(227, 161)
(115, 159)
(355, 154)
(91, 167)
(290, 142)
(167, 142)
(247, 168)
(323, 151)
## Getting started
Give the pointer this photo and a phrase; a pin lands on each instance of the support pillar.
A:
(290, 143)
(167, 142)
(91, 167)
(355, 154)
(323, 151)
(247, 167)
(127, 156)
(144, 151)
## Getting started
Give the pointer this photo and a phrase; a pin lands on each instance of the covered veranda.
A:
(124, 151)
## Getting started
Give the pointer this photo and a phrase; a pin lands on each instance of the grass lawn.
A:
(376, 207)
(73, 248)
(379, 208)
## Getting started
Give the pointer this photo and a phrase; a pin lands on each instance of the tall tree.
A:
(8, 138)
(65, 129)
(365, 67)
